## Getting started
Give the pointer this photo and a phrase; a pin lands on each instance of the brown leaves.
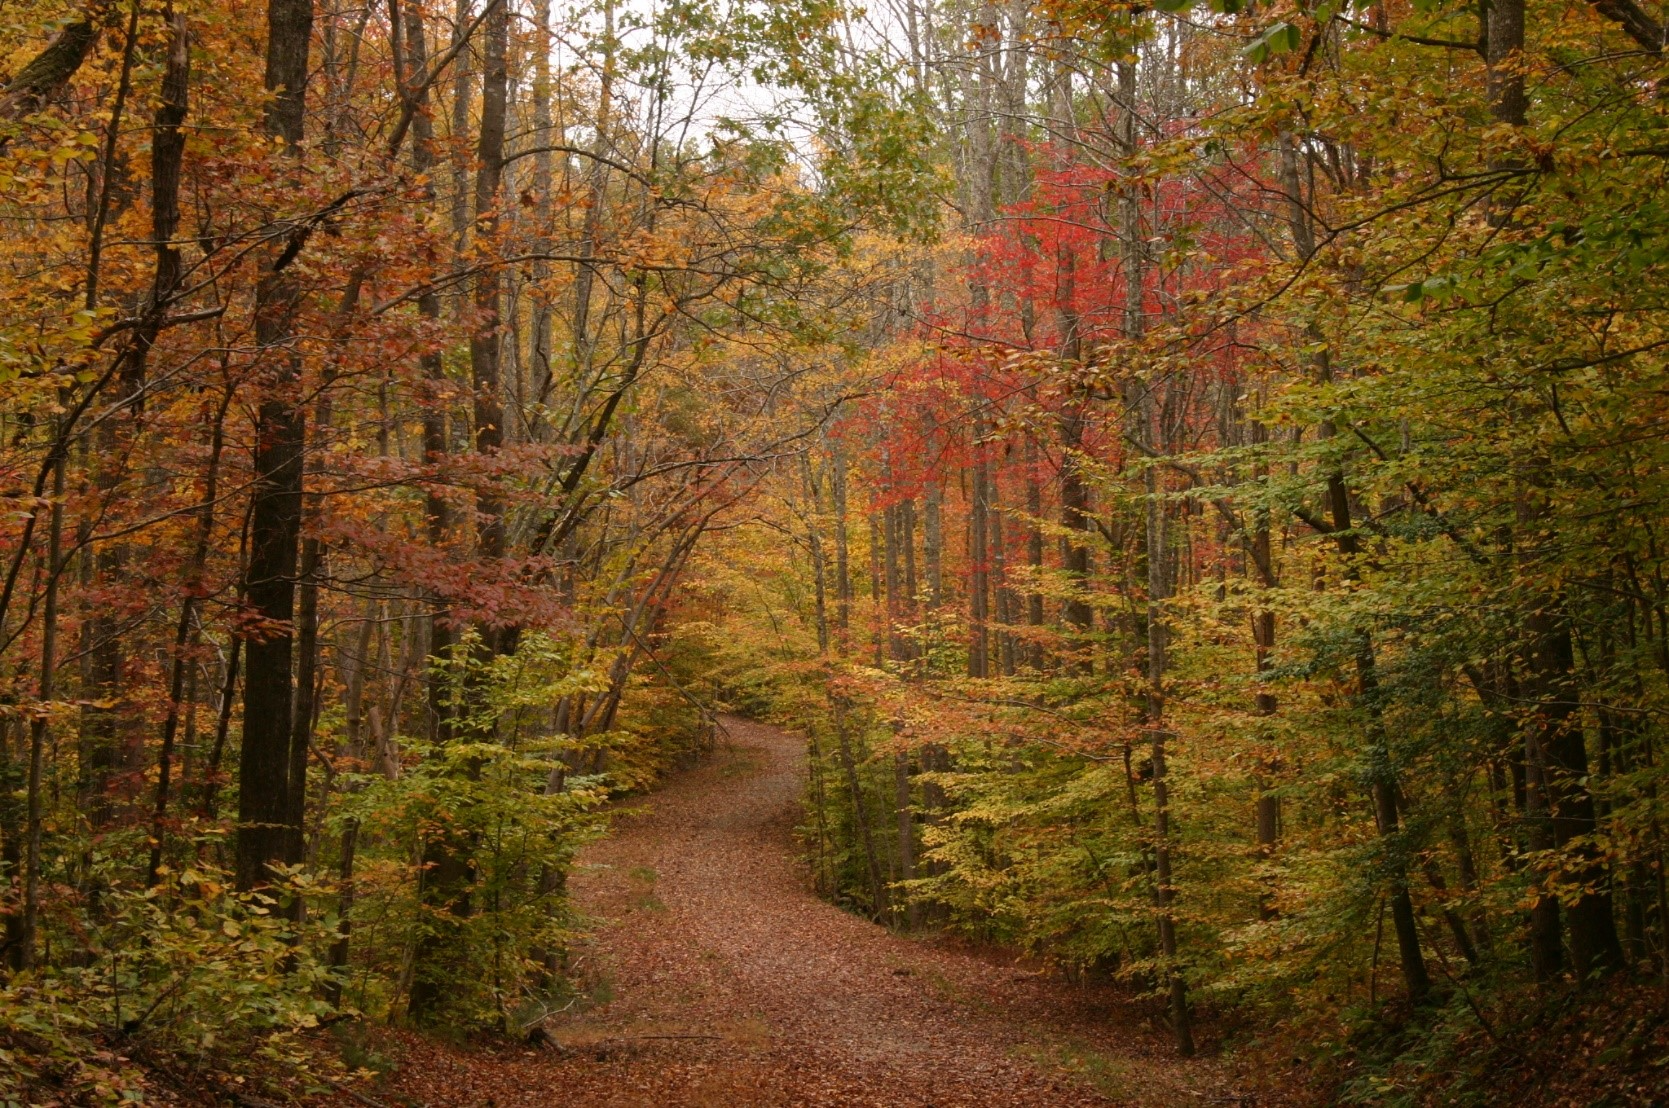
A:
(719, 978)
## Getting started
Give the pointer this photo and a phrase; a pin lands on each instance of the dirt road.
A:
(722, 980)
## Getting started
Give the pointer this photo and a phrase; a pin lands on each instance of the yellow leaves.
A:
(643, 249)
(81, 146)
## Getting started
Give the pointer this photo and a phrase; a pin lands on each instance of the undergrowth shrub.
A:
(192, 984)
(188, 977)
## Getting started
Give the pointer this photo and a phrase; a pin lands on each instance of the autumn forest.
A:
(813, 552)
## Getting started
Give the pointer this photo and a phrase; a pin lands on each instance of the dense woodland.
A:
(1194, 472)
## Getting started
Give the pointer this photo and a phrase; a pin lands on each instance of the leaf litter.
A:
(718, 977)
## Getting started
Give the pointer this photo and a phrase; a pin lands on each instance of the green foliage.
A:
(1280, 38)
(521, 799)
(215, 985)
(212, 980)
(1393, 424)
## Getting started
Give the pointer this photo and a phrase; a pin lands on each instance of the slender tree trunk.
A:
(1561, 748)
(979, 662)
(1158, 590)
(1154, 431)
(167, 150)
(896, 534)
(860, 815)
(907, 541)
(814, 542)
(1382, 775)
(584, 341)
(543, 185)
(906, 834)
(222, 726)
(1267, 817)
(25, 955)
(485, 344)
(307, 672)
(275, 521)
(1074, 493)
(107, 734)
(932, 538)
(891, 526)
(1075, 519)
(877, 611)
(463, 101)
(843, 566)
(1034, 553)
(979, 92)
(436, 396)
(1556, 747)
(353, 703)
(448, 867)
(1000, 590)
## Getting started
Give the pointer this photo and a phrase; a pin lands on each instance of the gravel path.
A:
(727, 981)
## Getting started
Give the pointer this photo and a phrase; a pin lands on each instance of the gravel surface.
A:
(723, 979)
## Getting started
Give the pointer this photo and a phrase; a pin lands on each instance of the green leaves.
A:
(1435, 288)
(1221, 7)
(1282, 38)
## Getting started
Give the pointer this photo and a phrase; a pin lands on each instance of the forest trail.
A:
(728, 982)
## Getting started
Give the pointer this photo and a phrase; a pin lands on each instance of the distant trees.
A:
(1319, 346)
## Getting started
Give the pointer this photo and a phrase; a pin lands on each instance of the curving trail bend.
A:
(728, 982)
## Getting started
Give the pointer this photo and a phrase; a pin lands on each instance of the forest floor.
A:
(719, 978)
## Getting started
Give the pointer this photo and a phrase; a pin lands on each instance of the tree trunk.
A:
(932, 538)
(1556, 747)
(540, 345)
(1154, 430)
(907, 542)
(979, 664)
(448, 866)
(1158, 585)
(1074, 494)
(1074, 551)
(860, 815)
(1000, 590)
(436, 398)
(1560, 748)
(1034, 553)
(1382, 775)
(107, 735)
(1268, 805)
(275, 520)
(485, 343)
(877, 611)
(891, 526)
(814, 542)
(167, 150)
(906, 835)
(25, 955)
(843, 566)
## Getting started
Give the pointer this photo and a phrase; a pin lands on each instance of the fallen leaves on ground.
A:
(729, 982)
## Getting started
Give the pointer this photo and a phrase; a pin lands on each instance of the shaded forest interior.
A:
(1192, 471)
